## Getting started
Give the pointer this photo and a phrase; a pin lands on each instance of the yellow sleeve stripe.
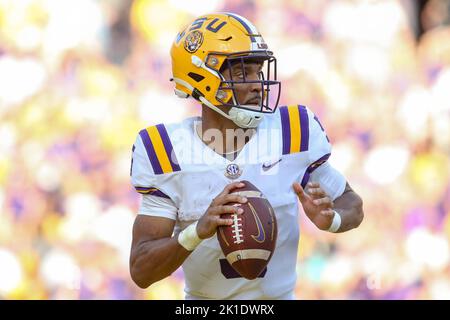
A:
(160, 151)
(294, 123)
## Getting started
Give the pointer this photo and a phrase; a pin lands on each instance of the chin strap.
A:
(245, 118)
(242, 118)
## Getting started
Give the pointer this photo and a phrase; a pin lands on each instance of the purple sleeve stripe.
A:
(304, 124)
(168, 147)
(286, 130)
(152, 191)
(150, 151)
(305, 179)
(145, 189)
(313, 166)
(159, 193)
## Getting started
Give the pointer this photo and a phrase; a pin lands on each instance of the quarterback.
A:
(187, 172)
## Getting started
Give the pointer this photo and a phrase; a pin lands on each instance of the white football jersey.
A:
(173, 165)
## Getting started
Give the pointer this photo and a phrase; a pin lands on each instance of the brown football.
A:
(248, 243)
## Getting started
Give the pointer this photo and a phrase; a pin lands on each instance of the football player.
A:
(186, 172)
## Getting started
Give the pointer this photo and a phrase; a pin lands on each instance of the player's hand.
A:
(317, 205)
(208, 223)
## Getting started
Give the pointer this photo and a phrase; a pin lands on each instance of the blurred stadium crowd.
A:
(80, 78)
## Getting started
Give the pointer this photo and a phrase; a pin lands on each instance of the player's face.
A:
(246, 93)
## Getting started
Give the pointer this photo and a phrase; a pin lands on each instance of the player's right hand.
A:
(317, 205)
(208, 223)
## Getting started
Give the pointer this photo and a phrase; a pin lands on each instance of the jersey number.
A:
(229, 273)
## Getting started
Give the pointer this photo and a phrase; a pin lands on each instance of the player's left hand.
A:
(317, 205)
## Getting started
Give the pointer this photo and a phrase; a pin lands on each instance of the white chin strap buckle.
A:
(245, 118)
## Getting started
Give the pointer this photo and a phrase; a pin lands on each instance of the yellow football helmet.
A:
(212, 42)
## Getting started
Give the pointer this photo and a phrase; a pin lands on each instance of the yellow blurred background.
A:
(80, 78)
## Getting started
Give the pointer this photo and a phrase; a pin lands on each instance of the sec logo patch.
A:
(233, 171)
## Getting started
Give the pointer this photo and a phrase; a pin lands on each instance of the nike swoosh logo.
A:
(266, 167)
(261, 236)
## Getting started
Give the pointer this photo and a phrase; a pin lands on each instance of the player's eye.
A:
(239, 75)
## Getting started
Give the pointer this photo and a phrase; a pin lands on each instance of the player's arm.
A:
(349, 205)
(328, 201)
(156, 254)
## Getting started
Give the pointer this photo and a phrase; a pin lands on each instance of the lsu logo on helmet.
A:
(193, 41)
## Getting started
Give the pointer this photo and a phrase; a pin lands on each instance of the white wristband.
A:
(335, 225)
(188, 238)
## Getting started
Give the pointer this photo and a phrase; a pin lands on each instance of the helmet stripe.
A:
(245, 25)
